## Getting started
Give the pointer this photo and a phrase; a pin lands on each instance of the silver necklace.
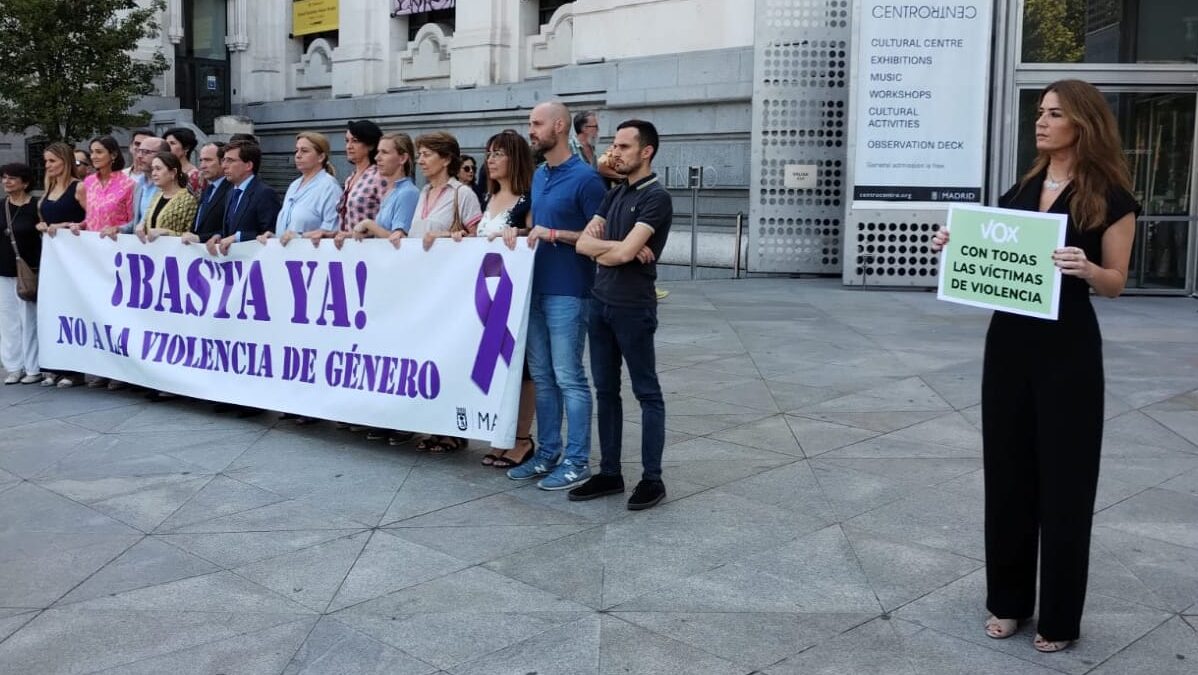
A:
(1053, 184)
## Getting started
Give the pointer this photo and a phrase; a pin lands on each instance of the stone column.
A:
(486, 41)
(363, 36)
(171, 21)
(258, 39)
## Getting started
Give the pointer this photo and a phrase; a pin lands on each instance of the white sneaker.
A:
(13, 377)
(32, 378)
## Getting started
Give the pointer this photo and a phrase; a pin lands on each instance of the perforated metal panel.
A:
(891, 248)
(800, 113)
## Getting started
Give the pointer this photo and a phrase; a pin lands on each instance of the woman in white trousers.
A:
(18, 236)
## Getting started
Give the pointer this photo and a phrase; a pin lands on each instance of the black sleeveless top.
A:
(1075, 292)
(65, 209)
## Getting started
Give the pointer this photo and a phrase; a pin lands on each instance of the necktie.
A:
(204, 198)
(231, 213)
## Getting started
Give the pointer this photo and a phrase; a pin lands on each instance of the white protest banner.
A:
(921, 83)
(429, 341)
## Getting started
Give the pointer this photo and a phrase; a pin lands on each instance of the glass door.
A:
(202, 62)
(1159, 136)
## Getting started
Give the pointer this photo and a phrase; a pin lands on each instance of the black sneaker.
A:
(598, 486)
(646, 495)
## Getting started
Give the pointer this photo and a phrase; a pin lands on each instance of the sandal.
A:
(502, 461)
(490, 457)
(1001, 629)
(446, 444)
(401, 437)
(1050, 646)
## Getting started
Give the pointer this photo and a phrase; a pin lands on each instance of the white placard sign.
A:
(922, 79)
(428, 341)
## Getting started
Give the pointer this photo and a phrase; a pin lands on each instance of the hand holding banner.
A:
(1001, 259)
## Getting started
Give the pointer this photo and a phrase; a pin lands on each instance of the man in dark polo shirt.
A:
(566, 192)
(625, 237)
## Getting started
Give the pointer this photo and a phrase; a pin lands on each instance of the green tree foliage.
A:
(67, 68)
(1054, 31)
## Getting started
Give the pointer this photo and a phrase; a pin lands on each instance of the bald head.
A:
(548, 130)
(556, 110)
(149, 147)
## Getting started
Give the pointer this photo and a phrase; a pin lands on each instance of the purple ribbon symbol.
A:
(493, 312)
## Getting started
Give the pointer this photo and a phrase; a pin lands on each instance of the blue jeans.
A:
(626, 333)
(557, 328)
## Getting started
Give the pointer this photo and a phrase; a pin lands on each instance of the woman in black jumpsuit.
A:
(1042, 381)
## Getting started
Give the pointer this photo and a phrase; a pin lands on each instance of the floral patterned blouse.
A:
(361, 199)
(196, 183)
(108, 205)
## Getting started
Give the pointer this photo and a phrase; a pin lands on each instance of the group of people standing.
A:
(596, 253)
(1042, 384)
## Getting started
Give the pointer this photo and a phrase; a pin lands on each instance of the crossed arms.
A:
(611, 253)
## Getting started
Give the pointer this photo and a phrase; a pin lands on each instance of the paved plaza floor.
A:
(824, 516)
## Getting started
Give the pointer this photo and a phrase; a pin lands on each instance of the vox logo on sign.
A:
(1000, 233)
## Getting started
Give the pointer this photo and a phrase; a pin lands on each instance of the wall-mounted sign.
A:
(800, 176)
(313, 16)
(405, 7)
(919, 100)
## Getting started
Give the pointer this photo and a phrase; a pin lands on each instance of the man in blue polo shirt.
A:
(566, 192)
(626, 236)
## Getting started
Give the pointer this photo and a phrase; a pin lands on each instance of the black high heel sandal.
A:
(502, 462)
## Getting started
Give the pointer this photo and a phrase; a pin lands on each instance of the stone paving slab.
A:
(823, 464)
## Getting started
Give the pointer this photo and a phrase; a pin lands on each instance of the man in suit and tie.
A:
(252, 206)
(210, 217)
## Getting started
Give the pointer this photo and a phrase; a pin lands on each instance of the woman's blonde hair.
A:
(1099, 165)
(66, 155)
(321, 143)
(404, 146)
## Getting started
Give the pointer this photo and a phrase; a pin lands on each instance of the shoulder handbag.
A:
(457, 225)
(26, 275)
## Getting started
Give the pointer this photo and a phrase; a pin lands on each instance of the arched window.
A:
(546, 8)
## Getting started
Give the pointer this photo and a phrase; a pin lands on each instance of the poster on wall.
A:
(314, 16)
(919, 98)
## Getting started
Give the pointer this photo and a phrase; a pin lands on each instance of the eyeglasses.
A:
(144, 151)
(590, 126)
(496, 154)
